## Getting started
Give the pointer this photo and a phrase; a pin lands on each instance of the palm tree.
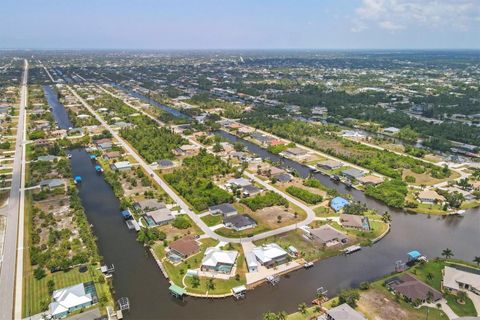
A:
(282, 315)
(386, 217)
(461, 296)
(302, 308)
(429, 276)
(447, 253)
(477, 261)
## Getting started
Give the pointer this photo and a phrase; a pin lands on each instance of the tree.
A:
(39, 273)
(238, 146)
(270, 316)
(195, 281)
(477, 260)
(349, 297)
(447, 253)
(386, 217)
(302, 308)
(210, 284)
(461, 296)
(429, 276)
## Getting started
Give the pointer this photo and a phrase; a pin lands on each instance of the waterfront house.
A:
(327, 236)
(270, 255)
(218, 260)
(148, 205)
(295, 152)
(182, 248)
(112, 155)
(187, 150)
(342, 312)
(412, 289)
(353, 173)
(355, 221)
(225, 209)
(283, 177)
(370, 180)
(105, 145)
(338, 203)
(71, 299)
(159, 217)
(430, 196)
(239, 222)
(456, 278)
(121, 166)
(330, 164)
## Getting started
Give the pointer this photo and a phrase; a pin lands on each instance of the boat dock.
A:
(352, 249)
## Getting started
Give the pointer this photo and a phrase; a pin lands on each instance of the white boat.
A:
(308, 265)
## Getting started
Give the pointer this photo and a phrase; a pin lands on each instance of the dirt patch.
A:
(378, 306)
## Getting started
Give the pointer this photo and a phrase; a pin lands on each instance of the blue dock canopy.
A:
(77, 179)
(126, 214)
(414, 255)
(93, 157)
(338, 203)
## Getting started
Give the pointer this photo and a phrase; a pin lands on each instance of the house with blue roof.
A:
(338, 203)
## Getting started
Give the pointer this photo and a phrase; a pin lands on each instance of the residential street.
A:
(14, 214)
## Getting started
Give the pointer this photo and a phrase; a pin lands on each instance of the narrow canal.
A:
(138, 277)
(59, 112)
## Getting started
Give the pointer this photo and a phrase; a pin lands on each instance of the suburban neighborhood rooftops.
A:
(344, 312)
(52, 183)
(268, 252)
(327, 233)
(239, 182)
(239, 221)
(412, 288)
(214, 256)
(69, 297)
(353, 173)
(185, 246)
(454, 277)
(354, 221)
(150, 205)
(330, 164)
(224, 208)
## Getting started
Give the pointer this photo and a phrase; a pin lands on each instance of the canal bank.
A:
(139, 278)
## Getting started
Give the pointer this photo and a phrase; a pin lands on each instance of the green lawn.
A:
(36, 296)
(230, 233)
(462, 310)
(211, 220)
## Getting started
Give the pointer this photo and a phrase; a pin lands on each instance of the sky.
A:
(240, 24)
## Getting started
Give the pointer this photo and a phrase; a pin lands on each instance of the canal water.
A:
(59, 112)
(138, 277)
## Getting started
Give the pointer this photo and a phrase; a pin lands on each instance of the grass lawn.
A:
(230, 233)
(36, 296)
(462, 310)
(176, 272)
(307, 249)
(211, 220)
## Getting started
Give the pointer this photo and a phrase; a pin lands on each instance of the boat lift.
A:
(400, 266)
(273, 279)
(124, 304)
(107, 270)
(239, 292)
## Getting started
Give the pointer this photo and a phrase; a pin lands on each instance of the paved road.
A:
(195, 217)
(14, 216)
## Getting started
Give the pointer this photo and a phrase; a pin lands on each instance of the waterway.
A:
(59, 112)
(138, 277)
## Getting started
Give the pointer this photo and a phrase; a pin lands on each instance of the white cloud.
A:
(393, 15)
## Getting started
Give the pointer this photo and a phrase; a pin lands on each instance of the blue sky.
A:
(231, 24)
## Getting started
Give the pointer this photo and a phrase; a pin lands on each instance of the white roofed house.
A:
(270, 255)
(121, 166)
(457, 278)
(218, 260)
(71, 299)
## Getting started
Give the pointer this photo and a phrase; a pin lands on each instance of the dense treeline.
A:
(305, 195)
(194, 180)
(392, 192)
(445, 131)
(321, 138)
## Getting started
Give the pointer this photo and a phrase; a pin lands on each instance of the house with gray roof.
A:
(327, 236)
(353, 173)
(342, 312)
(52, 183)
(225, 209)
(239, 222)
